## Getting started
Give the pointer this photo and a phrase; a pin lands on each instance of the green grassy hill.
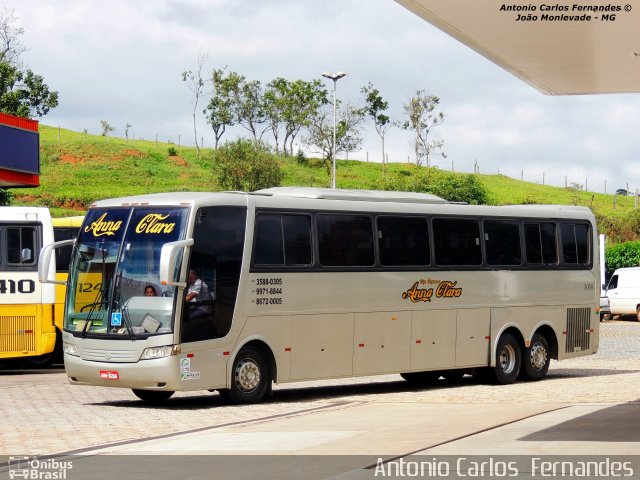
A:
(78, 168)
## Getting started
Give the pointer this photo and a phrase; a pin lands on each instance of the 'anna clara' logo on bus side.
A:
(444, 289)
(103, 227)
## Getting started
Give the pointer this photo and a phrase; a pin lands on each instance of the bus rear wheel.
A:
(250, 377)
(536, 358)
(508, 360)
(152, 396)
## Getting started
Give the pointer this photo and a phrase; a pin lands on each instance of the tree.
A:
(276, 95)
(11, 47)
(220, 112)
(106, 127)
(302, 102)
(126, 131)
(348, 137)
(423, 118)
(246, 165)
(196, 85)
(22, 92)
(249, 107)
(375, 105)
(6, 197)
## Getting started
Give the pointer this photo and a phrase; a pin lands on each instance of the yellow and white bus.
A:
(291, 284)
(31, 314)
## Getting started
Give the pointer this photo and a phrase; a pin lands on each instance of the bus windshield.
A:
(114, 286)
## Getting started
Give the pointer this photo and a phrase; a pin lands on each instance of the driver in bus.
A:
(197, 292)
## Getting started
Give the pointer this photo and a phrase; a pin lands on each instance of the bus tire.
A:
(421, 378)
(152, 396)
(536, 358)
(508, 360)
(250, 378)
(48, 359)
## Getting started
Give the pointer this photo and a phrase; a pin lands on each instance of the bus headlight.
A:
(70, 350)
(158, 352)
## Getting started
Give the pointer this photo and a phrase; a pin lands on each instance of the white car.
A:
(623, 292)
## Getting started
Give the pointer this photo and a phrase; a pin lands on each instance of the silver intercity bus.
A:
(234, 291)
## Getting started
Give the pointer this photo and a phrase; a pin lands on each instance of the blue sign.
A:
(116, 319)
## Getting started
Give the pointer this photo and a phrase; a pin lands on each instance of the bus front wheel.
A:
(536, 358)
(152, 396)
(250, 377)
(508, 360)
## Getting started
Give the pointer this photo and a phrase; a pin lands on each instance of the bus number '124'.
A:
(21, 286)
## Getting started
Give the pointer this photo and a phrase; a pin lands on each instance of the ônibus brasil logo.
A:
(35, 468)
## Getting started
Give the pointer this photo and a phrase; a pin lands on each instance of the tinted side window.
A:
(403, 241)
(540, 243)
(613, 283)
(502, 243)
(63, 255)
(456, 241)
(282, 239)
(269, 248)
(345, 240)
(575, 243)
(297, 239)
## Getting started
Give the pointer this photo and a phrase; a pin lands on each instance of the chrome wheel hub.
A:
(538, 356)
(507, 359)
(247, 375)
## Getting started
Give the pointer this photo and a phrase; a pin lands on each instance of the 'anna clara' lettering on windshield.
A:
(103, 227)
(153, 223)
(445, 289)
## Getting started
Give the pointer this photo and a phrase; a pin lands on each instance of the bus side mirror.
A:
(44, 261)
(25, 255)
(169, 261)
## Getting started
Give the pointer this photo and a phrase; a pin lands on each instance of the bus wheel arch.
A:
(508, 357)
(252, 372)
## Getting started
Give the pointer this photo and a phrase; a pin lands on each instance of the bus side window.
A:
(21, 246)
(63, 255)
(345, 240)
(575, 243)
(282, 239)
(457, 242)
(540, 243)
(502, 243)
(403, 241)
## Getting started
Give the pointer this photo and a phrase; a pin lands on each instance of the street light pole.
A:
(335, 77)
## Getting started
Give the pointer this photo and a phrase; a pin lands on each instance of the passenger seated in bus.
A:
(150, 291)
(198, 292)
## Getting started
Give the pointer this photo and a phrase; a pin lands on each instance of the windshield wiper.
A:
(119, 304)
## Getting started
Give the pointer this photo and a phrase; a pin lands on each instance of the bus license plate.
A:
(109, 375)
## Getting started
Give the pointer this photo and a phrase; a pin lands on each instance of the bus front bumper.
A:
(156, 374)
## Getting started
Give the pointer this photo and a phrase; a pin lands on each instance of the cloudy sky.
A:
(121, 61)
